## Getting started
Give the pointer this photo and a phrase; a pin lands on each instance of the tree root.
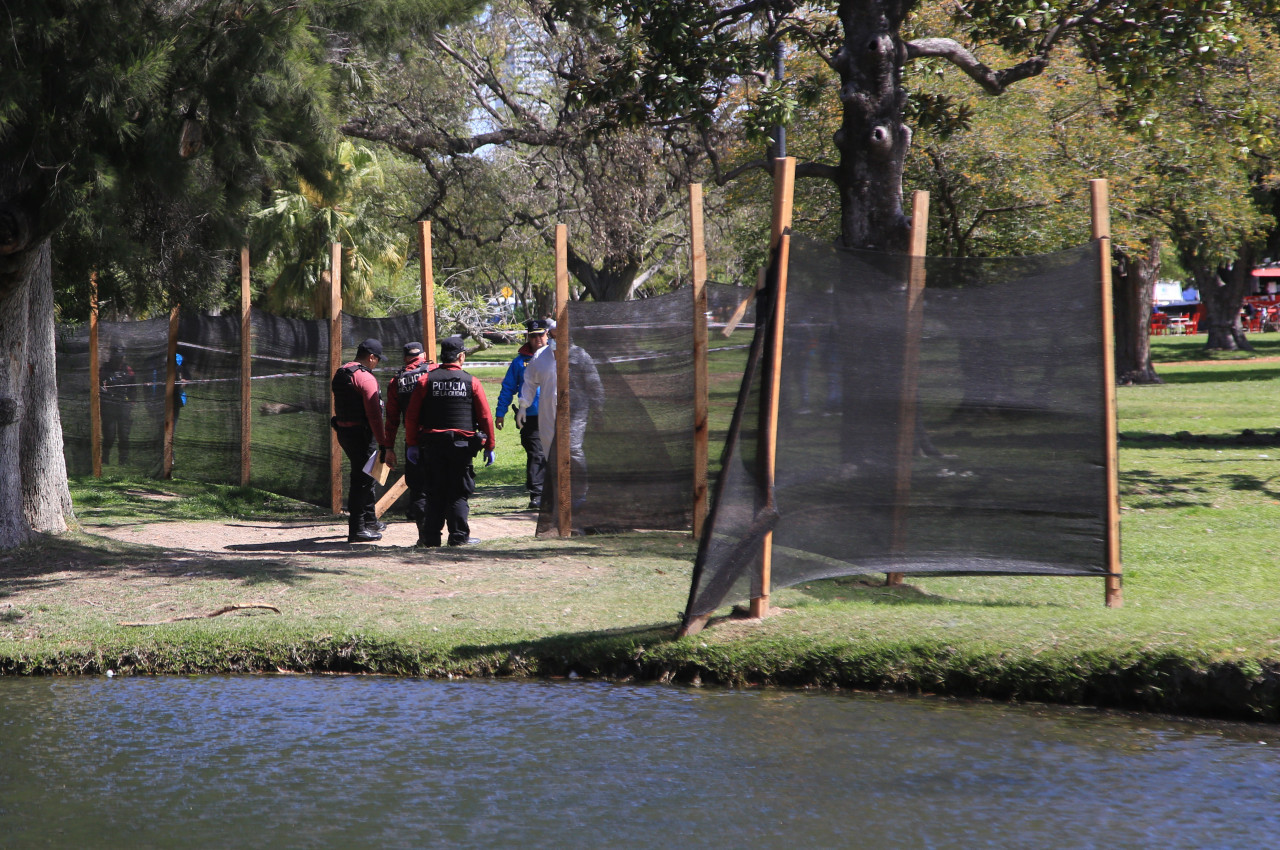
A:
(226, 609)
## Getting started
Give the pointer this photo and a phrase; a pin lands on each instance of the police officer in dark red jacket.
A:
(357, 420)
(447, 423)
(399, 391)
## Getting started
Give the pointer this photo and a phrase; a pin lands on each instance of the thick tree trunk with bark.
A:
(872, 139)
(46, 500)
(34, 496)
(609, 283)
(1222, 292)
(1135, 279)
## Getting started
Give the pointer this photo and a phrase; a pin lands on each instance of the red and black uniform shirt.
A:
(356, 400)
(447, 399)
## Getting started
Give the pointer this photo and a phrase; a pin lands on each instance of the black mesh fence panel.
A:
(206, 431)
(290, 407)
(71, 343)
(632, 406)
(1005, 471)
(131, 358)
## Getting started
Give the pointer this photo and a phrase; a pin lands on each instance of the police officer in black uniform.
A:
(357, 420)
(447, 423)
(399, 391)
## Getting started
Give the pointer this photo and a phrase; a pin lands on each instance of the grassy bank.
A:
(1199, 632)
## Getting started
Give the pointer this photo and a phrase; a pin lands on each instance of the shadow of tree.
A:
(874, 591)
(1238, 481)
(53, 560)
(1248, 438)
(1242, 372)
(1140, 488)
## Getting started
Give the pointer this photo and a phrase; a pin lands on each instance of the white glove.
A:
(520, 418)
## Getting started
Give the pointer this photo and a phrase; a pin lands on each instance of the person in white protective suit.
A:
(586, 397)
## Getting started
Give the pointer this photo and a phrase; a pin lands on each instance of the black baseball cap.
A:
(370, 346)
(450, 348)
(412, 349)
(535, 326)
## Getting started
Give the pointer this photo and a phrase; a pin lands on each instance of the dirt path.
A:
(237, 538)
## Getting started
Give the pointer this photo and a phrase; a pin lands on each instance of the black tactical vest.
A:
(348, 403)
(447, 406)
(405, 381)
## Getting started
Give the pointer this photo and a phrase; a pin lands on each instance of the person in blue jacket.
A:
(535, 460)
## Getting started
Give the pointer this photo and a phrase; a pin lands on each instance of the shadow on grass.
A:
(874, 591)
(1140, 488)
(1248, 438)
(1173, 349)
(54, 560)
(1253, 483)
(1243, 372)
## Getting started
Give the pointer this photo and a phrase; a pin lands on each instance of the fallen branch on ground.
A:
(223, 610)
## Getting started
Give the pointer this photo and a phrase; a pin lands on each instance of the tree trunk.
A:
(872, 139)
(1222, 293)
(33, 478)
(46, 500)
(611, 282)
(1135, 280)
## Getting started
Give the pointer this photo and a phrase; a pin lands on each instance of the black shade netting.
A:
(994, 464)
(206, 431)
(632, 410)
(291, 395)
(131, 373)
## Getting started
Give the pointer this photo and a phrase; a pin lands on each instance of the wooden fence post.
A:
(910, 374)
(428, 288)
(335, 360)
(95, 380)
(1101, 232)
(170, 389)
(783, 192)
(698, 263)
(246, 372)
(564, 483)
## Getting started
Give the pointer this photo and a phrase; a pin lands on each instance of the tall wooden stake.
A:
(428, 290)
(335, 360)
(910, 374)
(95, 380)
(783, 191)
(246, 372)
(564, 484)
(1101, 231)
(701, 429)
(170, 390)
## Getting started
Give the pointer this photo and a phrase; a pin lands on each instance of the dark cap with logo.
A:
(536, 326)
(451, 348)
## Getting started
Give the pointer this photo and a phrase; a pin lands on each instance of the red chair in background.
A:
(1159, 324)
(1193, 321)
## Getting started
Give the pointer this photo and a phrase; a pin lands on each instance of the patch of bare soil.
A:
(308, 539)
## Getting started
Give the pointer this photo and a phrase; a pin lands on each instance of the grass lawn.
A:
(1199, 632)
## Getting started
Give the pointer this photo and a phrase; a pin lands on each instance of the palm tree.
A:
(296, 231)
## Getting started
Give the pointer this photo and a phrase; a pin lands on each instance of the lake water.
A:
(302, 761)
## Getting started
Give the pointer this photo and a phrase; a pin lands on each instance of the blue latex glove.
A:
(411, 452)
(488, 458)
